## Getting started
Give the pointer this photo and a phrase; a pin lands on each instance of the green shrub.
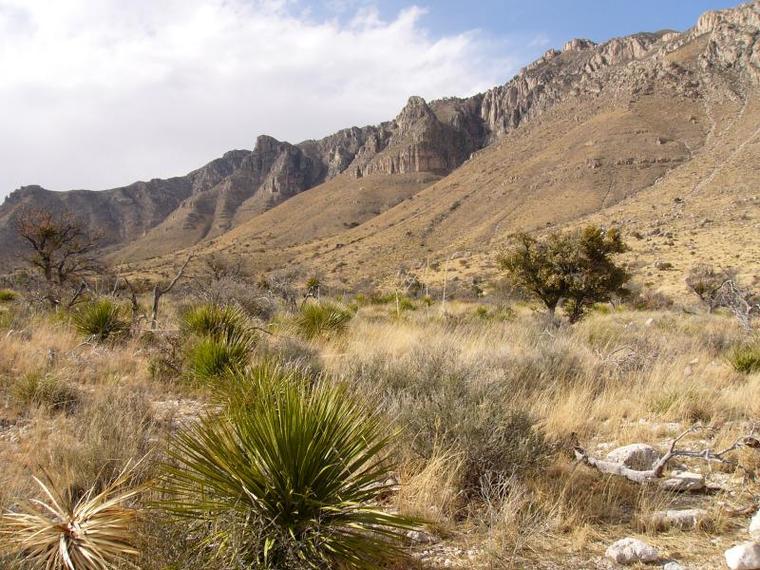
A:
(46, 390)
(7, 295)
(288, 477)
(322, 319)
(209, 358)
(745, 358)
(101, 320)
(220, 322)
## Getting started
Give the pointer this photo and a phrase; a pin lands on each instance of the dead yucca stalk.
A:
(65, 533)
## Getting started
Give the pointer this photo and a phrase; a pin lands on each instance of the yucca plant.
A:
(210, 358)
(216, 321)
(291, 472)
(61, 532)
(322, 319)
(101, 320)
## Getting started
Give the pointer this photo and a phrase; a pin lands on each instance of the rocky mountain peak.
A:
(578, 44)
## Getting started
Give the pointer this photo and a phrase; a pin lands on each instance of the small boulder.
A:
(744, 556)
(754, 526)
(630, 551)
(684, 481)
(681, 518)
(638, 456)
(673, 566)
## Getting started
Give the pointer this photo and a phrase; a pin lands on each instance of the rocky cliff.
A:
(437, 137)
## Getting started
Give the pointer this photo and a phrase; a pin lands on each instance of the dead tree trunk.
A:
(159, 292)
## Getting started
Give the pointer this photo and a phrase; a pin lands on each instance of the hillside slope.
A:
(664, 144)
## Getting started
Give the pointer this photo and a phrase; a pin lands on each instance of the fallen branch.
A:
(658, 470)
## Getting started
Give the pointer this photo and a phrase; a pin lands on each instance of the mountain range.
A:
(657, 132)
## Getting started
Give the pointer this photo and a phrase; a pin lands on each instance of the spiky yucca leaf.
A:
(300, 466)
(61, 533)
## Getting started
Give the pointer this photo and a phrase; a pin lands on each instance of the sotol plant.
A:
(217, 321)
(64, 533)
(291, 472)
(321, 319)
(101, 320)
(220, 340)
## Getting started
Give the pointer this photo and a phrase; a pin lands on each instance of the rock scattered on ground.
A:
(638, 456)
(754, 526)
(684, 481)
(681, 518)
(744, 556)
(632, 550)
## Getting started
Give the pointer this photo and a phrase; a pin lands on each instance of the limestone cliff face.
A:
(436, 136)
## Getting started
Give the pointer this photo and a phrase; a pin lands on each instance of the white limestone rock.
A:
(630, 551)
(744, 556)
(638, 456)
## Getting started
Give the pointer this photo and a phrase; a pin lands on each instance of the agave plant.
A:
(322, 319)
(300, 467)
(64, 533)
(101, 320)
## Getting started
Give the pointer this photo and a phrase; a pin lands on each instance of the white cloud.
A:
(98, 93)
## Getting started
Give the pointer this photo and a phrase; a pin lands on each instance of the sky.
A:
(100, 93)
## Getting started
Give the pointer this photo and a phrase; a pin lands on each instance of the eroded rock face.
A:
(630, 551)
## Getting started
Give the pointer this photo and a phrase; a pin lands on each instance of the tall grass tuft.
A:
(101, 320)
(745, 358)
(7, 295)
(291, 473)
(46, 390)
(63, 532)
(322, 319)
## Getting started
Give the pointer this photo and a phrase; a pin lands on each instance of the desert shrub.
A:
(101, 320)
(210, 358)
(294, 352)
(576, 266)
(220, 322)
(322, 319)
(7, 295)
(745, 358)
(45, 390)
(290, 475)
(441, 403)
(249, 297)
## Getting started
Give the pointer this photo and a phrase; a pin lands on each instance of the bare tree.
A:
(159, 291)
(719, 289)
(59, 245)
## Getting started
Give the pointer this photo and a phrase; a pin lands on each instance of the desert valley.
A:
(519, 329)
